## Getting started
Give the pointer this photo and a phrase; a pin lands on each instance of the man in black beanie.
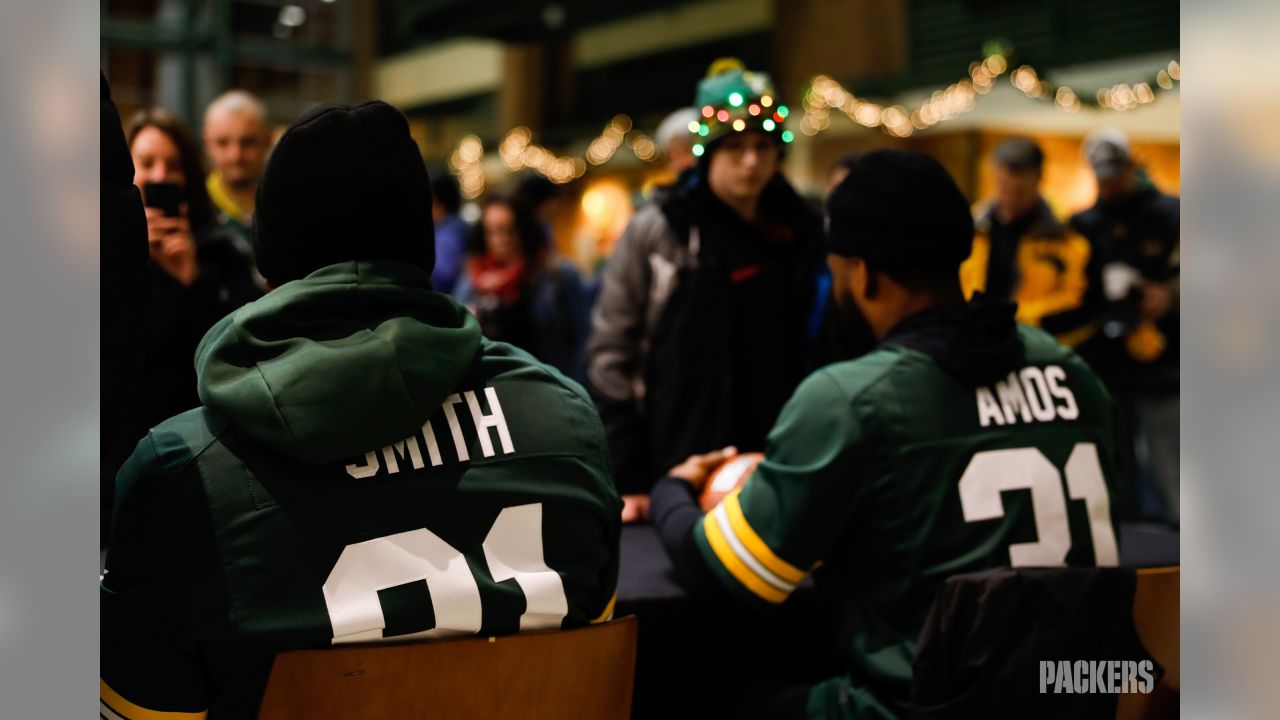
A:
(365, 466)
(343, 184)
(884, 475)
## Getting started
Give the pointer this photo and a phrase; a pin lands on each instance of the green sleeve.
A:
(146, 672)
(761, 541)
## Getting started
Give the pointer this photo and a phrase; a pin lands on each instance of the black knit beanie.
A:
(344, 183)
(899, 209)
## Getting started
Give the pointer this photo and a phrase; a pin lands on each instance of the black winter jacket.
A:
(1139, 232)
(123, 253)
(701, 330)
(177, 316)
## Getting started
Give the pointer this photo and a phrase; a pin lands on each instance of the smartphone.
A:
(164, 196)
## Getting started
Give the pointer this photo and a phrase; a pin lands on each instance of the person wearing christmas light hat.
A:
(703, 328)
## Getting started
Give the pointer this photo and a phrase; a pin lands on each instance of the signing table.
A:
(689, 654)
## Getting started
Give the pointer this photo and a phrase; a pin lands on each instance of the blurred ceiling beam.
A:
(654, 32)
(447, 70)
(470, 66)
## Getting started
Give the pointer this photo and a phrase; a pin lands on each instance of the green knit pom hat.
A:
(733, 99)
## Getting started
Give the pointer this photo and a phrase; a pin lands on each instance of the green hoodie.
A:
(365, 466)
(282, 369)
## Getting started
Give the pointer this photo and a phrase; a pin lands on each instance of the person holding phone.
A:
(197, 274)
(169, 235)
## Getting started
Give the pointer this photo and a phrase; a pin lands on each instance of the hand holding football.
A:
(731, 474)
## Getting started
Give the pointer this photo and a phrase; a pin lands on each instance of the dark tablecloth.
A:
(694, 658)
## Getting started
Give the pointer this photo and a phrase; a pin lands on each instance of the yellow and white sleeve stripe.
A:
(113, 706)
(607, 615)
(745, 555)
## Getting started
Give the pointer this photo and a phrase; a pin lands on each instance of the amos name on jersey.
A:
(1031, 394)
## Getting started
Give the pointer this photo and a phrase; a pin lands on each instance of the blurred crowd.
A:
(715, 302)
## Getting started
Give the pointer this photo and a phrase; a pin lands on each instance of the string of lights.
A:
(825, 93)
(602, 148)
(1121, 97)
(466, 164)
(518, 152)
(642, 145)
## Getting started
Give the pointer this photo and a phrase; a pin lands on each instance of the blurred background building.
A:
(575, 90)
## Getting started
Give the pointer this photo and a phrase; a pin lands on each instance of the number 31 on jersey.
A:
(991, 472)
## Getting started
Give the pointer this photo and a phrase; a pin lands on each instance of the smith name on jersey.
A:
(366, 467)
(885, 475)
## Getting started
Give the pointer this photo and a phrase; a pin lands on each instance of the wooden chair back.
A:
(583, 673)
(1156, 613)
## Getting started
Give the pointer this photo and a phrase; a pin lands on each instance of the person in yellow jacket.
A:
(1023, 252)
(237, 139)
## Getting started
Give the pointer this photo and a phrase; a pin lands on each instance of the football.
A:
(731, 474)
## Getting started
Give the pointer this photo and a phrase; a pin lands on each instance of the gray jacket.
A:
(639, 280)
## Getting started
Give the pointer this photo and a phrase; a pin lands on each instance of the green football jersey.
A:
(366, 468)
(885, 475)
